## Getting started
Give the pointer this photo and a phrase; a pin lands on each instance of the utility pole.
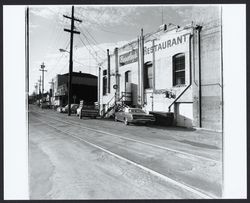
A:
(36, 86)
(108, 72)
(36, 91)
(72, 32)
(43, 70)
(39, 82)
(52, 90)
(27, 54)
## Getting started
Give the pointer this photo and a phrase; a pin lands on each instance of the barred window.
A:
(179, 69)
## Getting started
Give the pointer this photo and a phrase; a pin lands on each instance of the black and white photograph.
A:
(126, 102)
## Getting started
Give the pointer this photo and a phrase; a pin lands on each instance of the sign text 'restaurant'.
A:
(132, 56)
(166, 44)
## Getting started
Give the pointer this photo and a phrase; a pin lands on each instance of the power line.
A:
(100, 28)
(90, 44)
(56, 63)
(61, 70)
(87, 40)
(89, 50)
(84, 64)
(94, 40)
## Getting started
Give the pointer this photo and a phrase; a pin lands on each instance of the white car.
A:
(73, 108)
(59, 109)
(133, 115)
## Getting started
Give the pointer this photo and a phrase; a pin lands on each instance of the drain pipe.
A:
(99, 88)
(190, 76)
(108, 71)
(139, 73)
(117, 90)
(199, 63)
(142, 69)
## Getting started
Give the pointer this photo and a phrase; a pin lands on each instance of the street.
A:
(71, 158)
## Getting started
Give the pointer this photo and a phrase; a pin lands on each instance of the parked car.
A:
(133, 115)
(45, 105)
(59, 109)
(73, 108)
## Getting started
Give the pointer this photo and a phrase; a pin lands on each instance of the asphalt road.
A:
(71, 158)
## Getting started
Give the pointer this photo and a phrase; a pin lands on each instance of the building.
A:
(84, 87)
(178, 70)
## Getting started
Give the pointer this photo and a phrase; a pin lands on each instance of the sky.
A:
(102, 28)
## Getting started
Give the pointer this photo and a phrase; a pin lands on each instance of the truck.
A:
(87, 110)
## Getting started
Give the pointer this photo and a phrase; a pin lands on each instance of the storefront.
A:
(83, 87)
(175, 69)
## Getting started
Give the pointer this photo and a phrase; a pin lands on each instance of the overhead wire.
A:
(94, 40)
(88, 42)
(56, 63)
(100, 26)
(89, 50)
(58, 39)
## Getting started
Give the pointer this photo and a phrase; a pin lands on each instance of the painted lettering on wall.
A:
(132, 56)
(129, 57)
(166, 44)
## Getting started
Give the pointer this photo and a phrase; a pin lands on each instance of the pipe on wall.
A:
(142, 68)
(153, 64)
(108, 71)
(190, 76)
(139, 72)
(117, 91)
(99, 88)
(199, 64)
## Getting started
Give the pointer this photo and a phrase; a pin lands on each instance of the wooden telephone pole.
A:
(72, 32)
(39, 84)
(52, 91)
(43, 70)
(36, 87)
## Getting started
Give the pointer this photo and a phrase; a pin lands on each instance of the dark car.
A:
(45, 105)
(133, 115)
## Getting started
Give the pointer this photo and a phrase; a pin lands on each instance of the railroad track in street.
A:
(131, 139)
(195, 191)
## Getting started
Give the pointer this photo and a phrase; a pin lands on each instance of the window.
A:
(127, 81)
(128, 76)
(148, 75)
(104, 82)
(179, 69)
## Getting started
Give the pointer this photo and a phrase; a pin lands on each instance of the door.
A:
(184, 114)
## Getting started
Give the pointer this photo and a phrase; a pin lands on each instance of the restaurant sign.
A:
(166, 44)
(132, 56)
(129, 57)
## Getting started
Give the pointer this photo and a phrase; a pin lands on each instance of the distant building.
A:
(84, 87)
(179, 70)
